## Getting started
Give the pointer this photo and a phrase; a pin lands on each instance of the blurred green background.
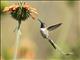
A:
(32, 45)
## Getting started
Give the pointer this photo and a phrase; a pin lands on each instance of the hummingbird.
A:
(45, 34)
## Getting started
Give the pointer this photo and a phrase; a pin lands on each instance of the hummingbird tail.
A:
(52, 43)
(57, 47)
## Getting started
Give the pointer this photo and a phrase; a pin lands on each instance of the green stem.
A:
(18, 35)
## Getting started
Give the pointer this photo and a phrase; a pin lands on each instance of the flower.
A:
(26, 6)
(21, 11)
(11, 8)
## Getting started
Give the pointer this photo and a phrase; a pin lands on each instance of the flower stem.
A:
(18, 35)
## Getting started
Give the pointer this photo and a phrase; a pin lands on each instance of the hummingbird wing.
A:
(50, 28)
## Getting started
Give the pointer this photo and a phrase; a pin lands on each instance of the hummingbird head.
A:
(43, 25)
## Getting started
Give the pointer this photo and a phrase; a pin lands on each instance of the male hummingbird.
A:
(45, 33)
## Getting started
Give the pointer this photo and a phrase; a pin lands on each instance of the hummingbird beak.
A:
(39, 20)
(42, 23)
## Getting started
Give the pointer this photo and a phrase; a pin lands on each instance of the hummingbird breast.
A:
(44, 32)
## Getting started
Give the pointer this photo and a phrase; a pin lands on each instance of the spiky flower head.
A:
(21, 11)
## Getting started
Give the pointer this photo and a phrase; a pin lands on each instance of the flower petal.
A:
(26, 5)
(32, 11)
(32, 8)
(6, 9)
(33, 17)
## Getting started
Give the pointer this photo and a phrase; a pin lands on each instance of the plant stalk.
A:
(18, 36)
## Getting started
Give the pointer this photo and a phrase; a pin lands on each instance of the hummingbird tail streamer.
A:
(57, 47)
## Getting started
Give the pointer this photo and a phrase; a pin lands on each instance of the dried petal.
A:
(10, 8)
(32, 8)
(32, 11)
(15, 6)
(33, 16)
(6, 9)
(26, 6)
